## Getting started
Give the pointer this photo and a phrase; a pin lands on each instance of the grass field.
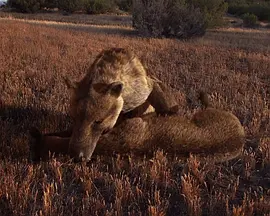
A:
(76, 18)
(231, 64)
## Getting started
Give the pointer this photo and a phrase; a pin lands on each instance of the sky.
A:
(2, 2)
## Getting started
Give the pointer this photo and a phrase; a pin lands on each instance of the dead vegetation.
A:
(233, 66)
(76, 18)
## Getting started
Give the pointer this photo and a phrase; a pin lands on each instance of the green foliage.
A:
(70, 6)
(249, 20)
(260, 9)
(32, 6)
(26, 6)
(99, 6)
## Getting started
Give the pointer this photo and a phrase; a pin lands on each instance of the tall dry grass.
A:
(233, 66)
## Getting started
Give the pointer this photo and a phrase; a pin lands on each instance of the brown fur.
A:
(116, 83)
(210, 133)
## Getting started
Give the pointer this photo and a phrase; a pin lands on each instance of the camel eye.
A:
(98, 122)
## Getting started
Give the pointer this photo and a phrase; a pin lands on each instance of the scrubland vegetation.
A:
(231, 64)
(259, 8)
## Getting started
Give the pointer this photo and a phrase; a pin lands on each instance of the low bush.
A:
(177, 18)
(260, 9)
(26, 6)
(70, 6)
(249, 20)
(99, 6)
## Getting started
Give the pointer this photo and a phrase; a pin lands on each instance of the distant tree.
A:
(26, 6)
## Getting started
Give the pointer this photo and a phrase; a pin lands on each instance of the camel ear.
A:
(116, 89)
(35, 133)
(70, 84)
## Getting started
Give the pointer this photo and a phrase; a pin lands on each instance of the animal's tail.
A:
(203, 97)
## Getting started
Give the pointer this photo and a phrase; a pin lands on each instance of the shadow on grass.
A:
(15, 123)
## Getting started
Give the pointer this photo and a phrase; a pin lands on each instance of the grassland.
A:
(231, 64)
(77, 18)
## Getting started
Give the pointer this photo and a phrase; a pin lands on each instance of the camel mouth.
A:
(82, 149)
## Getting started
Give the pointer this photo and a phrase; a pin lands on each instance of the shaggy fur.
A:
(210, 133)
(116, 83)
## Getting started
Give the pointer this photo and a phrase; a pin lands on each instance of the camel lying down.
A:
(210, 133)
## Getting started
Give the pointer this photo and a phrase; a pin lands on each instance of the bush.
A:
(70, 6)
(260, 9)
(50, 4)
(213, 11)
(249, 20)
(177, 18)
(124, 5)
(99, 6)
(26, 6)
(32, 6)
(169, 18)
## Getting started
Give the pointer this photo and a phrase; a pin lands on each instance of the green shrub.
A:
(70, 6)
(99, 6)
(26, 6)
(249, 20)
(260, 9)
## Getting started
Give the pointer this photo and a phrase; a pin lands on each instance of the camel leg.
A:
(162, 100)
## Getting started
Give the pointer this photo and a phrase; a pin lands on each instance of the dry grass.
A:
(77, 18)
(233, 66)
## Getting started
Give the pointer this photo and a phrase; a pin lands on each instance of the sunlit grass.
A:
(231, 65)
